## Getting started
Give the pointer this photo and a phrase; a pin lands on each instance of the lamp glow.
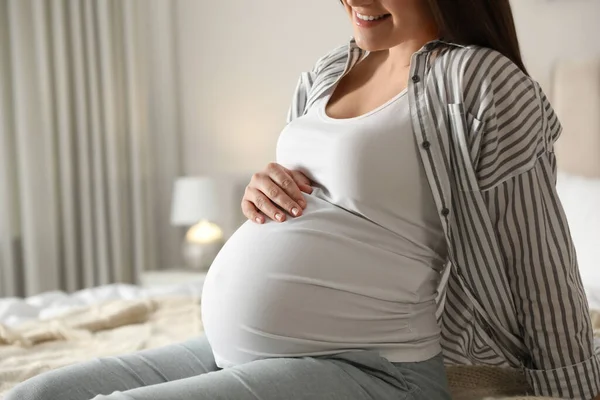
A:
(198, 203)
(204, 232)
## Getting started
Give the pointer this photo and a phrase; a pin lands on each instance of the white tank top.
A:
(358, 270)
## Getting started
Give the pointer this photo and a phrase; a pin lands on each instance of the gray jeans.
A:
(187, 371)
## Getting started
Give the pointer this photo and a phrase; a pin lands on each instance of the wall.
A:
(549, 29)
(240, 61)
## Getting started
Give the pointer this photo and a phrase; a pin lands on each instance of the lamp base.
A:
(199, 256)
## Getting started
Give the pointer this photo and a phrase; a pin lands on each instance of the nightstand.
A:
(172, 276)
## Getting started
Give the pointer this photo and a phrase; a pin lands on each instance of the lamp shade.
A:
(195, 199)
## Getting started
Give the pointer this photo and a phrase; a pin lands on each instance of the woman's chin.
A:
(368, 44)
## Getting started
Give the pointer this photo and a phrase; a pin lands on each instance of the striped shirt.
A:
(511, 294)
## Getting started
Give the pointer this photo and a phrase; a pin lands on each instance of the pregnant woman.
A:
(410, 218)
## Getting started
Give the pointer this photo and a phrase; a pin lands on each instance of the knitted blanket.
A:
(124, 326)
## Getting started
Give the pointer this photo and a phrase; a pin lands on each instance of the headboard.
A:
(575, 96)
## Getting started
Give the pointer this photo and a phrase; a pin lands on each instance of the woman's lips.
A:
(369, 24)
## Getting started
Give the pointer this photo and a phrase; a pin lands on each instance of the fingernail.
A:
(279, 217)
(295, 211)
(258, 220)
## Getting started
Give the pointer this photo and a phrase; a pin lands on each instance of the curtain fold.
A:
(10, 224)
(77, 190)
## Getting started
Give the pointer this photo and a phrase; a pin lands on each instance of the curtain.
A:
(87, 154)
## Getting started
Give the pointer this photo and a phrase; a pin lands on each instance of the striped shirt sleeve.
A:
(541, 261)
(308, 79)
(298, 100)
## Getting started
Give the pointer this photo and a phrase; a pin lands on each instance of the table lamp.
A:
(197, 204)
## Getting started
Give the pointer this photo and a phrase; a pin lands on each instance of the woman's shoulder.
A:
(481, 61)
(334, 57)
(486, 64)
(519, 123)
(486, 79)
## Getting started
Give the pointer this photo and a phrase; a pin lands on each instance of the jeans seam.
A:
(365, 393)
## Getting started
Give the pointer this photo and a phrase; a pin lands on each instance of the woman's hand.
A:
(272, 190)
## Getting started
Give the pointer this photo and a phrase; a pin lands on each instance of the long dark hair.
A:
(487, 23)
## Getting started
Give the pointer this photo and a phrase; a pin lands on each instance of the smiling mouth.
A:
(370, 22)
(371, 18)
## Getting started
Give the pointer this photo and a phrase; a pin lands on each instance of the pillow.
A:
(576, 100)
(580, 197)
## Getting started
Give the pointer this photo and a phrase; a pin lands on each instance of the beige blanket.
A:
(124, 326)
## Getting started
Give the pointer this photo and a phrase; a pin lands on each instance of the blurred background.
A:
(115, 113)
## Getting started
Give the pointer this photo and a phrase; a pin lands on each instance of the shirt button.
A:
(445, 212)
(426, 144)
(416, 78)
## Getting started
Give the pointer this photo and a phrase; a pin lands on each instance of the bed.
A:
(55, 329)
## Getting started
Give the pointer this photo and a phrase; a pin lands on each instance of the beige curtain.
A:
(87, 153)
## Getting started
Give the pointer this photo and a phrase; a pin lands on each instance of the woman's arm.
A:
(515, 166)
(541, 263)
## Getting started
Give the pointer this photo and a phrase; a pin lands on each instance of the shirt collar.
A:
(426, 48)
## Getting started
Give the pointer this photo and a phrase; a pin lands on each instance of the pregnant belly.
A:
(313, 285)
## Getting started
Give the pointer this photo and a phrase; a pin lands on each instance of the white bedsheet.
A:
(593, 296)
(52, 304)
(580, 197)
